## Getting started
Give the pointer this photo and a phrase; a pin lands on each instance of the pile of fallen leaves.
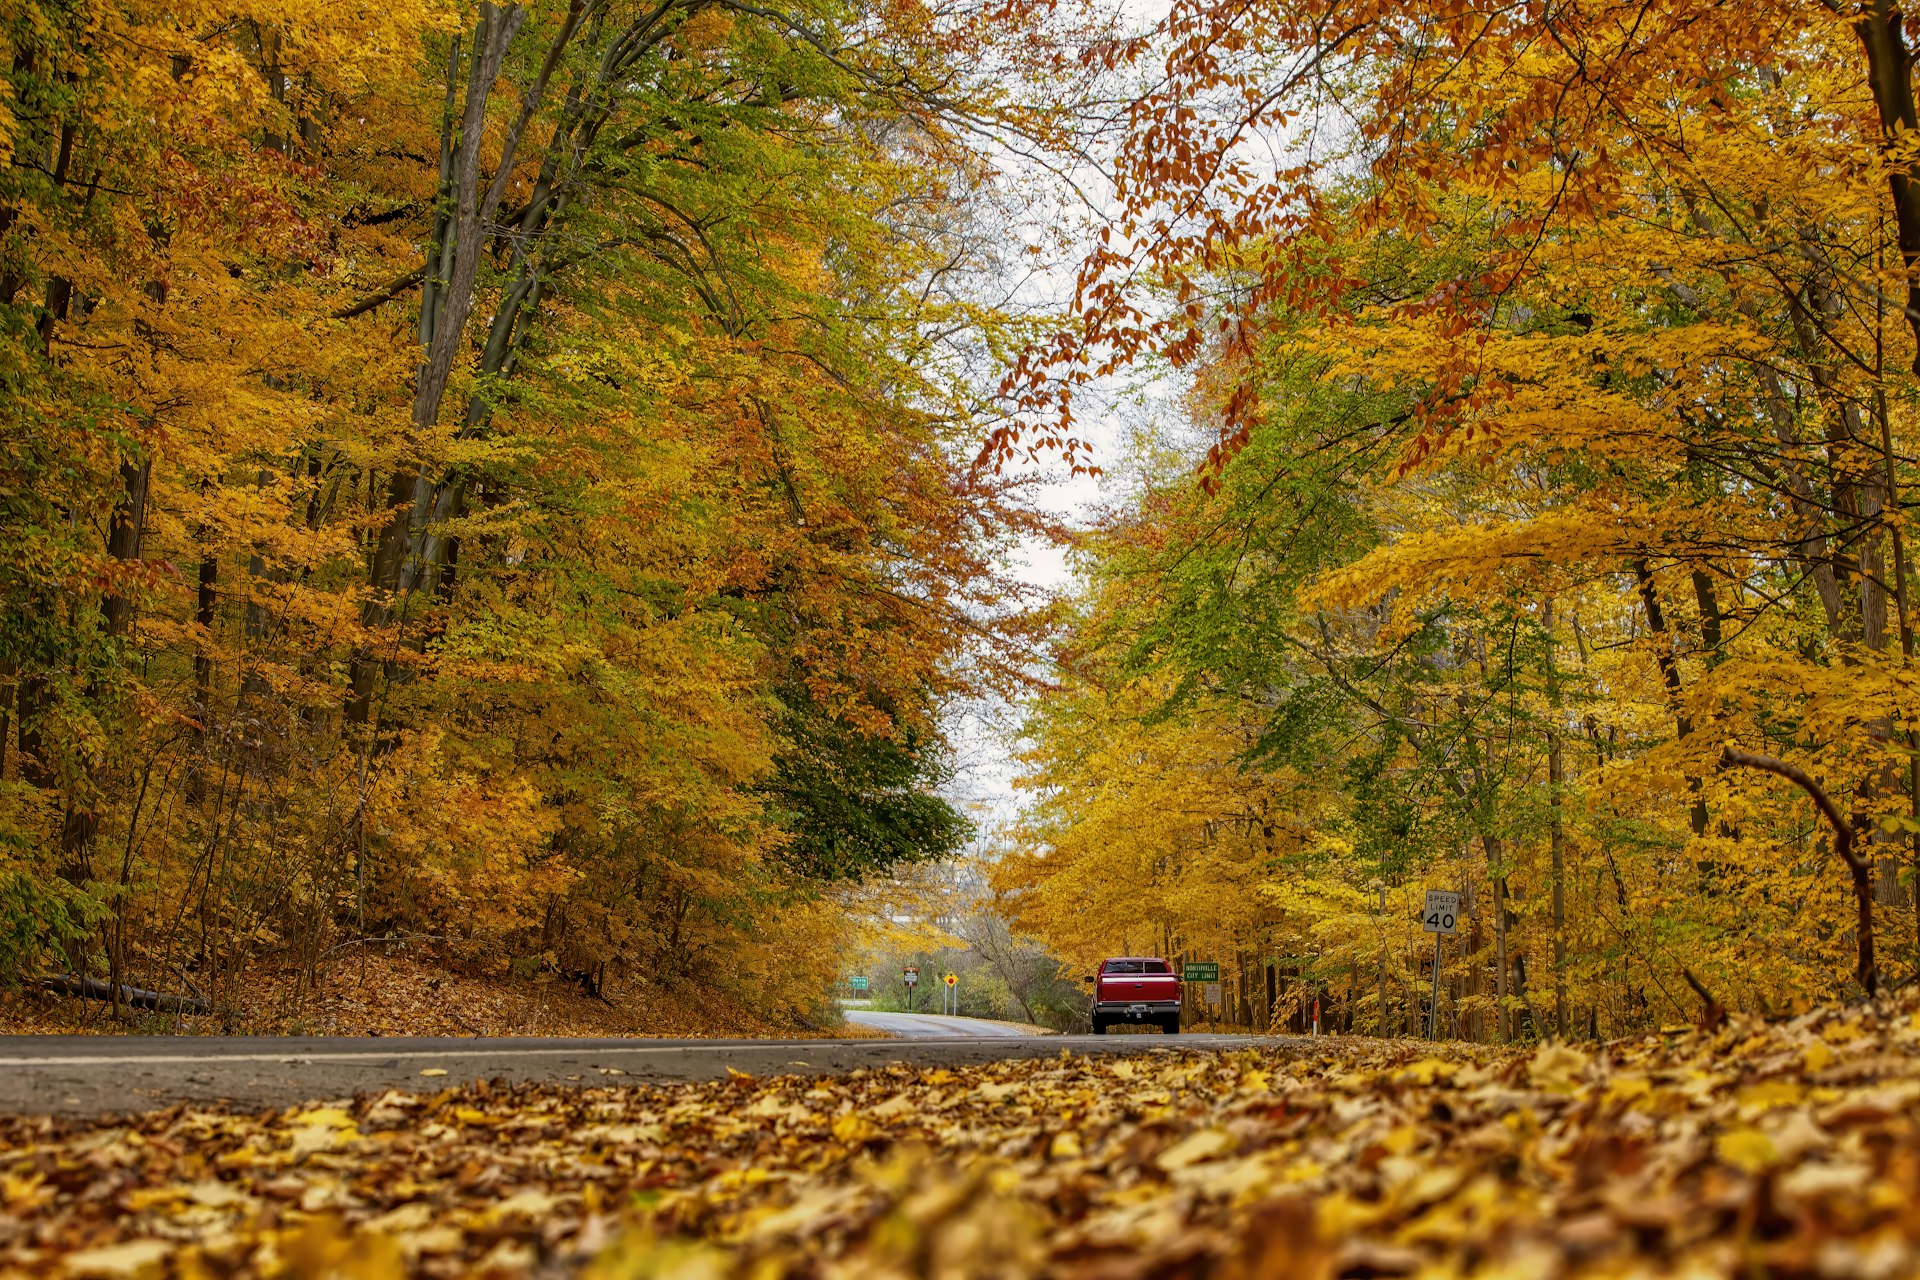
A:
(1788, 1149)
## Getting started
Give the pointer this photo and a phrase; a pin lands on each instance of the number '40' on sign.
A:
(1442, 913)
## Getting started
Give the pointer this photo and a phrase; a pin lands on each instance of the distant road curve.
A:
(933, 1026)
(98, 1075)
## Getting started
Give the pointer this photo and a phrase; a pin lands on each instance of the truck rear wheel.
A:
(1099, 1026)
(1171, 1026)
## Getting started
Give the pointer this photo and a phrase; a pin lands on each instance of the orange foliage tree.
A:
(492, 472)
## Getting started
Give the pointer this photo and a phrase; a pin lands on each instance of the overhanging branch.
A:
(1844, 838)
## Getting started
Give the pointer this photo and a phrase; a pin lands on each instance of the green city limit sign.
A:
(1200, 971)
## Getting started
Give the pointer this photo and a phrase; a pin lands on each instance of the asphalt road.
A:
(932, 1026)
(97, 1075)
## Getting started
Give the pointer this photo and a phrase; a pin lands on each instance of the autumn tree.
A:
(495, 473)
(1559, 415)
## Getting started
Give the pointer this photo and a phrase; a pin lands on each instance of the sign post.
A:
(1441, 918)
(1207, 973)
(911, 977)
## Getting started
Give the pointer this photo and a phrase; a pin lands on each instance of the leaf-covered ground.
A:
(1788, 1149)
(414, 992)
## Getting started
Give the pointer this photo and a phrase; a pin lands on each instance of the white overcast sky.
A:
(983, 735)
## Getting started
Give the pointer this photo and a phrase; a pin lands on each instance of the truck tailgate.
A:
(1137, 988)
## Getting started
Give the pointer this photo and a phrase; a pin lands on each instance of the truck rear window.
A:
(1137, 966)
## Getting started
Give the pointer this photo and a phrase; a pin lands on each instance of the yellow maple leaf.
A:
(1748, 1150)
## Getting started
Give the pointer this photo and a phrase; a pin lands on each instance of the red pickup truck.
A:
(1136, 989)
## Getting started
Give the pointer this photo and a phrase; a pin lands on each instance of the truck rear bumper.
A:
(1137, 1011)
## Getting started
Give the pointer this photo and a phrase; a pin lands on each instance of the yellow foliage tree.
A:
(1564, 416)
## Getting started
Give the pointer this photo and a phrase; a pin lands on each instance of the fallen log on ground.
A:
(137, 997)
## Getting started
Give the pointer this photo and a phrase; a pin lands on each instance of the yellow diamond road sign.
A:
(951, 979)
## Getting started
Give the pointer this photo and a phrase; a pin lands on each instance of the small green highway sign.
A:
(1200, 971)
(858, 984)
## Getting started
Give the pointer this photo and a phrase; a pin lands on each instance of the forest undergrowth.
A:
(423, 995)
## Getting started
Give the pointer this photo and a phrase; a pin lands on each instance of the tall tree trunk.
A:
(1383, 964)
(1882, 35)
(1905, 619)
(446, 305)
(8, 672)
(413, 548)
(1497, 877)
(59, 294)
(125, 534)
(1556, 780)
(1889, 73)
(203, 614)
(1711, 622)
(1669, 664)
(31, 697)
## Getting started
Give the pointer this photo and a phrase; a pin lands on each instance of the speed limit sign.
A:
(1442, 914)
